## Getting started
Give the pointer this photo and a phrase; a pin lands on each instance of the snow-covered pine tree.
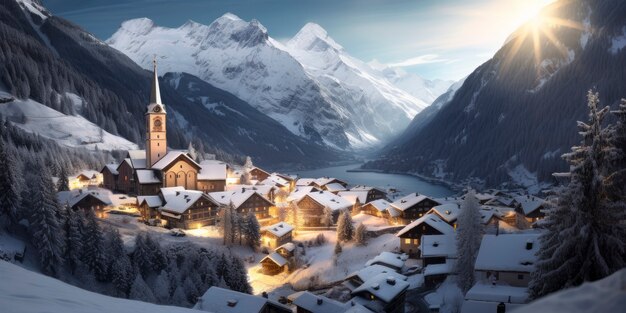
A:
(345, 228)
(161, 288)
(141, 255)
(140, 291)
(337, 248)
(122, 275)
(253, 231)
(63, 184)
(45, 230)
(616, 177)
(74, 239)
(469, 235)
(237, 277)
(584, 237)
(360, 235)
(155, 253)
(10, 199)
(327, 218)
(93, 253)
(179, 298)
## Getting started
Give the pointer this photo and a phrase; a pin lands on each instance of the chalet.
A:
(276, 235)
(244, 201)
(297, 194)
(322, 183)
(448, 212)
(429, 224)
(312, 207)
(357, 278)
(268, 191)
(303, 182)
(438, 253)
(371, 193)
(291, 179)
(377, 208)
(391, 260)
(125, 177)
(147, 182)
(100, 200)
(187, 208)
(85, 179)
(287, 250)
(307, 302)
(220, 300)
(334, 187)
(258, 174)
(109, 176)
(382, 293)
(530, 207)
(274, 264)
(277, 182)
(212, 176)
(413, 206)
(149, 207)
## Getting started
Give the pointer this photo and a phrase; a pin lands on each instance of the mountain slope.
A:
(516, 114)
(310, 85)
(47, 59)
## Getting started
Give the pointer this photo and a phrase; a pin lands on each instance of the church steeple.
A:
(155, 93)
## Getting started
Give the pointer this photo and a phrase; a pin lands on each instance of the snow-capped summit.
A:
(313, 37)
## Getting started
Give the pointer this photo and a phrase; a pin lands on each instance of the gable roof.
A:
(278, 229)
(261, 189)
(383, 287)
(447, 212)
(432, 220)
(305, 181)
(147, 177)
(178, 200)
(394, 260)
(323, 181)
(352, 195)
(380, 204)
(371, 271)
(127, 161)
(529, 204)
(275, 180)
(276, 258)
(151, 201)
(508, 252)
(300, 192)
(290, 246)
(236, 197)
(329, 199)
(220, 300)
(171, 156)
(212, 170)
(316, 304)
(111, 167)
(137, 158)
(439, 246)
(409, 201)
(334, 187)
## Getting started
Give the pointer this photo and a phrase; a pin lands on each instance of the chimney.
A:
(375, 286)
(264, 294)
(231, 303)
(320, 301)
(529, 245)
(178, 193)
(391, 281)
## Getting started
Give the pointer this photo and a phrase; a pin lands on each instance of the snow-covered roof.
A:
(383, 287)
(334, 187)
(409, 201)
(509, 252)
(87, 173)
(500, 200)
(236, 197)
(262, 189)
(278, 229)
(316, 304)
(484, 196)
(529, 203)
(172, 215)
(484, 291)
(275, 180)
(170, 157)
(151, 201)
(352, 195)
(432, 220)
(178, 200)
(121, 199)
(290, 246)
(112, 167)
(439, 246)
(447, 212)
(365, 188)
(220, 300)
(300, 192)
(605, 295)
(305, 181)
(212, 170)
(323, 181)
(439, 269)
(329, 199)
(372, 271)
(276, 258)
(380, 204)
(394, 260)
(137, 158)
(72, 197)
(147, 177)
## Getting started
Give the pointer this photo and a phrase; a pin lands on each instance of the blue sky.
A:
(444, 39)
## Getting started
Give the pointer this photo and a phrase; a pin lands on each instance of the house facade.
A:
(411, 235)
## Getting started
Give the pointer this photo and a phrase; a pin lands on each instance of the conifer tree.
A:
(345, 228)
(141, 255)
(63, 184)
(327, 218)
(93, 253)
(253, 231)
(161, 288)
(10, 199)
(122, 275)
(469, 236)
(360, 235)
(140, 291)
(46, 232)
(156, 255)
(74, 241)
(616, 176)
(584, 239)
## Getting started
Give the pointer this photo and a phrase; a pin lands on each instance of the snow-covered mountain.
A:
(310, 85)
(516, 114)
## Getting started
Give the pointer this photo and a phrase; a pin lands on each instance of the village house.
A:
(391, 260)
(377, 208)
(323, 182)
(149, 207)
(503, 268)
(246, 200)
(276, 235)
(357, 278)
(530, 207)
(382, 293)
(100, 200)
(274, 264)
(438, 253)
(297, 194)
(187, 209)
(429, 224)
(277, 182)
(307, 302)
(109, 176)
(258, 174)
(220, 300)
(371, 193)
(212, 176)
(312, 207)
(85, 179)
(268, 191)
(448, 212)
(413, 206)
(287, 250)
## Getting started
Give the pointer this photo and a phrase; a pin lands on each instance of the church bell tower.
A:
(156, 139)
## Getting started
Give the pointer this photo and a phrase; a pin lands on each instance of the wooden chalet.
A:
(276, 235)
(412, 207)
(312, 207)
(411, 235)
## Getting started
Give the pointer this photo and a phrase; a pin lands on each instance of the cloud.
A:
(418, 60)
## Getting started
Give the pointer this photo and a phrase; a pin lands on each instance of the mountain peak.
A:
(140, 25)
(313, 37)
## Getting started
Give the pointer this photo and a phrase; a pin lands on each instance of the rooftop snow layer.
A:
(510, 252)
(212, 170)
(409, 201)
(331, 200)
(439, 246)
(432, 220)
(278, 229)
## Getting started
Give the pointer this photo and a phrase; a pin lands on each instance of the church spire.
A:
(155, 94)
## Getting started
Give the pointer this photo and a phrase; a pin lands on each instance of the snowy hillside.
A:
(23, 291)
(66, 130)
(310, 85)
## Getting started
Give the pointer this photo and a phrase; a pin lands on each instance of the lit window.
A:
(407, 241)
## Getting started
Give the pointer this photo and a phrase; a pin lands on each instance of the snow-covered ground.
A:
(67, 130)
(24, 291)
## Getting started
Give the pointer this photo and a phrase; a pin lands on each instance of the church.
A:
(145, 172)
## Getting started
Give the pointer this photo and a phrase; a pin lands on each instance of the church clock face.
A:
(157, 109)
(157, 125)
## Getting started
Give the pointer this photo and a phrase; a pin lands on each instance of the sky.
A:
(436, 39)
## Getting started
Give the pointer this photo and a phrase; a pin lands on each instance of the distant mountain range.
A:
(515, 115)
(310, 84)
(46, 60)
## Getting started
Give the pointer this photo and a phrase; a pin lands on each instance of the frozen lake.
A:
(403, 183)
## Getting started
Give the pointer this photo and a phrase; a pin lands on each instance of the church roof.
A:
(172, 156)
(137, 158)
(147, 177)
(155, 92)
